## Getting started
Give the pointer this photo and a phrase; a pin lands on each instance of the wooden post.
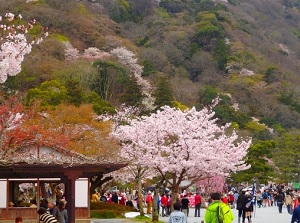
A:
(70, 195)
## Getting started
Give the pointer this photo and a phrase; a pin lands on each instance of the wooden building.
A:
(38, 167)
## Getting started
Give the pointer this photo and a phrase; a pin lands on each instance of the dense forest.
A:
(188, 51)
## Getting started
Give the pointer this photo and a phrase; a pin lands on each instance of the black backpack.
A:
(218, 217)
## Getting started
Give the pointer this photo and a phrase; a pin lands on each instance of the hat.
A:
(11, 204)
(52, 202)
(64, 201)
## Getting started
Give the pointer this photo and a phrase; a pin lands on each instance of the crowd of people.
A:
(53, 211)
(243, 201)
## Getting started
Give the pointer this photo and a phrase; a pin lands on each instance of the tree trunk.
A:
(175, 190)
(140, 194)
(155, 206)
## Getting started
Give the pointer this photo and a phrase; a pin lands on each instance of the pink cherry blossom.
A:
(186, 145)
(14, 45)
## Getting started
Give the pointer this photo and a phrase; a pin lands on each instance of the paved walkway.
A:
(262, 215)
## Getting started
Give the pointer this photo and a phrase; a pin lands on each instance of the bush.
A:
(109, 206)
(109, 210)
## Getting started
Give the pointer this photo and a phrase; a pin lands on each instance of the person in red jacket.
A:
(197, 204)
(163, 204)
(231, 197)
(149, 201)
(122, 201)
(225, 199)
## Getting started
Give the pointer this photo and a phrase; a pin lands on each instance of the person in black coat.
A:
(248, 209)
(240, 206)
(280, 199)
(115, 198)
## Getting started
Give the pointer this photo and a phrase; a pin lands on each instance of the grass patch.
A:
(144, 219)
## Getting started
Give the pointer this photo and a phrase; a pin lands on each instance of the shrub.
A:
(108, 210)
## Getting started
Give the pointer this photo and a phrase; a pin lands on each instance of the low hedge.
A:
(109, 210)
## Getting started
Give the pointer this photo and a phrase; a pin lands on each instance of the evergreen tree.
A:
(163, 93)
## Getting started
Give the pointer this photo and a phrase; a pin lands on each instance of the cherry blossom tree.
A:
(212, 184)
(91, 53)
(15, 43)
(129, 59)
(182, 145)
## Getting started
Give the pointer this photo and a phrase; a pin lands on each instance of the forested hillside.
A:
(181, 53)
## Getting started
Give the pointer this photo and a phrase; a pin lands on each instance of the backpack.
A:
(224, 214)
(265, 195)
(248, 204)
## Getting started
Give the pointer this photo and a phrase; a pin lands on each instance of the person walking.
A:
(240, 205)
(185, 205)
(218, 209)
(197, 204)
(169, 203)
(248, 209)
(149, 200)
(288, 201)
(265, 198)
(163, 203)
(177, 216)
(280, 200)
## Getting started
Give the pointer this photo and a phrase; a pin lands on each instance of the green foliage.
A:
(227, 114)
(258, 156)
(255, 126)
(60, 37)
(143, 41)
(221, 54)
(110, 78)
(132, 94)
(50, 93)
(105, 214)
(99, 105)
(295, 32)
(271, 74)
(121, 13)
(287, 157)
(209, 32)
(173, 6)
(204, 5)
(208, 28)
(108, 210)
(74, 92)
(208, 94)
(246, 58)
(268, 121)
(177, 104)
(194, 47)
(224, 111)
(286, 93)
(149, 68)
(163, 93)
